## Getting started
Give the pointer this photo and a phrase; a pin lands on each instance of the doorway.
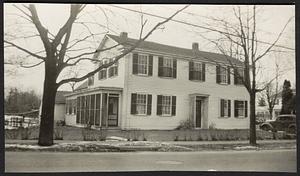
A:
(113, 109)
(198, 113)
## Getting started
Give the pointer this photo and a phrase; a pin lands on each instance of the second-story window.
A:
(196, 71)
(91, 81)
(167, 67)
(142, 64)
(113, 70)
(223, 74)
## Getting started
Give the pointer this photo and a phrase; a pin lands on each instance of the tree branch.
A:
(24, 50)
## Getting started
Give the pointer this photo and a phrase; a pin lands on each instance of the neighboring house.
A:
(263, 111)
(59, 108)
(158, 86)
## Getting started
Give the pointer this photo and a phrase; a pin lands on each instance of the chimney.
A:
(123, 36)
(195, 46)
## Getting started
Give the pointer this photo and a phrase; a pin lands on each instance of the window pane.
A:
(142, 64)
(141, 103)
(166, 105)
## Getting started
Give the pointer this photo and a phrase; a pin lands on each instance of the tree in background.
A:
(288, 99)
(21, 101)
(261, 102)
(60, 52)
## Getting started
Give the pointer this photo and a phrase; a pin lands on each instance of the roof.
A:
(147, 45)
(84, 85)
(60, 98)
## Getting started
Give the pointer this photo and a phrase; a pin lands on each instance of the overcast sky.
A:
(271, 20)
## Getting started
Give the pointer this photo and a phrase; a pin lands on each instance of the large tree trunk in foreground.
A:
(48, 103)
(252, 120)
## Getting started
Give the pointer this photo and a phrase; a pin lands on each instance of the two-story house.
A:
(157, 86)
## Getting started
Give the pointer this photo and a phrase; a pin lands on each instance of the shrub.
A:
(136, 133)
(60, 123)
(58, 134)
(185, 124)
(25, 133)
(176, 138)
(212, 126)
(88, 134)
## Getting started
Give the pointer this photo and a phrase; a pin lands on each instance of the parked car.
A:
(285, 122)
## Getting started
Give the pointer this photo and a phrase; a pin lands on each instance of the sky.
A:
(270, 21)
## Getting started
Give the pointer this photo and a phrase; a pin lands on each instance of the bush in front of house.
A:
(185, 125)
(58, 133)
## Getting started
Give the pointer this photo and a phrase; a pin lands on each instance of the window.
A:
(142, 64)
(88, 109)
(91, 81)
(166, 105)
(167, 67)
(223, 75)
(240, 109)
(113, 70)
(225, 108)
(141, 104)
(102, 74)
(196, 71)
(238, 76)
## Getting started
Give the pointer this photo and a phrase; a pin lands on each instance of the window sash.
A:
(166, 105)
(167, 67)
(141, 104)
(225, 106)
(240, 108)
(223, 75)
(142, 65)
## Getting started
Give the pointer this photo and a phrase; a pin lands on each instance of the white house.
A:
(157, 86)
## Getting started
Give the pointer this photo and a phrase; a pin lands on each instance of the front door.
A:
(113, 108)
(198, 113)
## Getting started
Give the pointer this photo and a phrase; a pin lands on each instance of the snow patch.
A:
(246, 148)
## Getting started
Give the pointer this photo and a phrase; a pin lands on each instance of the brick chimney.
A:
(123, 36)
(195, 46)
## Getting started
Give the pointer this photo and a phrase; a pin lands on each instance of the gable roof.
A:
(60, 98)
(147, 45)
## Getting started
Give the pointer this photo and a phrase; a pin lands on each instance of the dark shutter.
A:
(235, 108)
(99, 75)
(246, 109)
(174, 68)
(116, 70)
(173, 105)
(218, 74)
(229, 108)
(235, 76)
(135, 63)
(77, 109)
(133, 103)
(222, 108)
(159, 104)
(228, 76)
(160, 64)
(149, 104)
(191, 68)
(203, 71)
(150, 65)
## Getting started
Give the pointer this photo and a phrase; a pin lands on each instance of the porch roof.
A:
(81, 91)
(198, 94)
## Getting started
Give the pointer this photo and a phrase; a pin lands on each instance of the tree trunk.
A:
(48, 103)
(252, 120)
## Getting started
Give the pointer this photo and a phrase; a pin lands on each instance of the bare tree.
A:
(238, 39)
(56, 57)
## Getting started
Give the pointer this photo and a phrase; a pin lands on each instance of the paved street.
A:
(268, 160)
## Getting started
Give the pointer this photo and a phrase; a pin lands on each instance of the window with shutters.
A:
(166, 105)
(223, 75)
(141, 104)
(142, 65)
(225, 109)
(197, 71)
(240, 109)
(167, 67)
(102, 74)
(113, 70)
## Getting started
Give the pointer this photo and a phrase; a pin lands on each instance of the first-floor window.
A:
(240, 108)
(166, 105)
(225, 108)
(141, 104)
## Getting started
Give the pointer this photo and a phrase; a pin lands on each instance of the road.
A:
(268, 160)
